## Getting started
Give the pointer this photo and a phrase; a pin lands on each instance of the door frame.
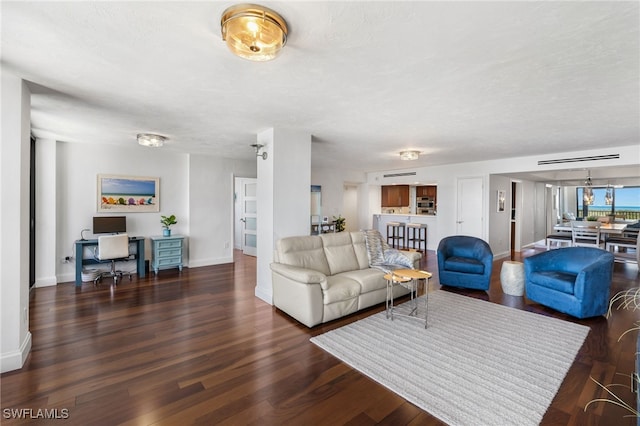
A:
(238, 225)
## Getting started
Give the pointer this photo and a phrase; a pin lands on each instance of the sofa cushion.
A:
(340, 288)
(370, 279)
(305, 252)
(360, 248)
(339, 252)
(555, 280)
(464, 264)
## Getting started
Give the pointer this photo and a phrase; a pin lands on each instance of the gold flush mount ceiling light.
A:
(150, 139)
(253, 32)
(409, 155)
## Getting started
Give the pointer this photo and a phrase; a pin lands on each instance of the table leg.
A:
(426, 302)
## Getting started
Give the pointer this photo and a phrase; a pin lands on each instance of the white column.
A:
(15, 338)
(46, 259)
(284, 208)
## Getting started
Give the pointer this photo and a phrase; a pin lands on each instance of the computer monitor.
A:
(109, 224)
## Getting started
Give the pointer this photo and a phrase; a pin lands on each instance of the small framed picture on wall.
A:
(501, 197)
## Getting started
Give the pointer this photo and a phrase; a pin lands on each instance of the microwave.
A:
(425, 203)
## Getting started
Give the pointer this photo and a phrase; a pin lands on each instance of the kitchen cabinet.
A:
(395, 196)
(430, 191)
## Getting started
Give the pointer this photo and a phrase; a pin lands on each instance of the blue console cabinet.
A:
(166, 252)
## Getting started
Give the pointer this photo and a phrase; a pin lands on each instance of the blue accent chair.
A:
(465, 261)
(572, 280)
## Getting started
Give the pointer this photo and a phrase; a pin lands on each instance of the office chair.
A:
(113, 248)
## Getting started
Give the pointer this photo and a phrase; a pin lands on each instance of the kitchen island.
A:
(380, 222)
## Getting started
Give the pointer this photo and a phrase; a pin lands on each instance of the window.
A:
(626, 203)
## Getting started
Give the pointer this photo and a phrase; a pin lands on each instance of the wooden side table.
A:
(411, 279)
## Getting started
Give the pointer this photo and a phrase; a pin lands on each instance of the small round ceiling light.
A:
(151, 140)
(253, 32)
(409, 155)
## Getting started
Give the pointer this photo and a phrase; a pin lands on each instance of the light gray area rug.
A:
(478, 363)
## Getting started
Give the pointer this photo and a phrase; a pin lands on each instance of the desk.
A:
(80, 260)
(323, 228)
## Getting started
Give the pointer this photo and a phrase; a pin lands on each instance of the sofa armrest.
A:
(298, 292)
(301, 275)
(414, 256)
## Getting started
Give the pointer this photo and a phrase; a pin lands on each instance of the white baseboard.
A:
(46, 282)
(65, 278)
(266, 296)
(501, 255)
(14, 360)
(208, 262)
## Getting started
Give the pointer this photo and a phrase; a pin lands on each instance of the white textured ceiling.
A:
(459, 81)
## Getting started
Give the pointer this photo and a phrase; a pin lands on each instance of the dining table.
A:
(605, 228)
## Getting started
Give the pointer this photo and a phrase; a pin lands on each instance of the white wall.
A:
(499, 222)
(78, 165)
(541, 204)
(445, 176)
(46, 218)
(198, 189)
(333, 191)
(15, 338)
(350, 208)
(211, 207)
(526, 198)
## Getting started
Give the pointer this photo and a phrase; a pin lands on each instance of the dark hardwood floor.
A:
(198, 347)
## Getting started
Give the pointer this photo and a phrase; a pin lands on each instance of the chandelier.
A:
(253, 32)
(608, 196)
(588, 190)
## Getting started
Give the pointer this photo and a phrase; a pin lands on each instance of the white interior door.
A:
(470, 207)
(249, 216)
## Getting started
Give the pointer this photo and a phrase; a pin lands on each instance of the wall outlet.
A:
(226, 244)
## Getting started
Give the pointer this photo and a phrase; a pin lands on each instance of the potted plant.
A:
(339, 223)
(166, 222)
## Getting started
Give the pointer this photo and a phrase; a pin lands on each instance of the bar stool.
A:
(396, 234)
(417, 236)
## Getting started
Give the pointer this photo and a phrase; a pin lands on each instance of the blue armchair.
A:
(465, 261)
(573, 280)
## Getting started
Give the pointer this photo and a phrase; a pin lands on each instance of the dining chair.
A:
(585, 234)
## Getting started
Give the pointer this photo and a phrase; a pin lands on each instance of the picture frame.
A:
(127, 194)
(501, 197)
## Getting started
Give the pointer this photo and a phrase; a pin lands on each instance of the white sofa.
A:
(317, 279)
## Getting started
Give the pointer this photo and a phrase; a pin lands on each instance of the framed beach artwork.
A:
(128, 194)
